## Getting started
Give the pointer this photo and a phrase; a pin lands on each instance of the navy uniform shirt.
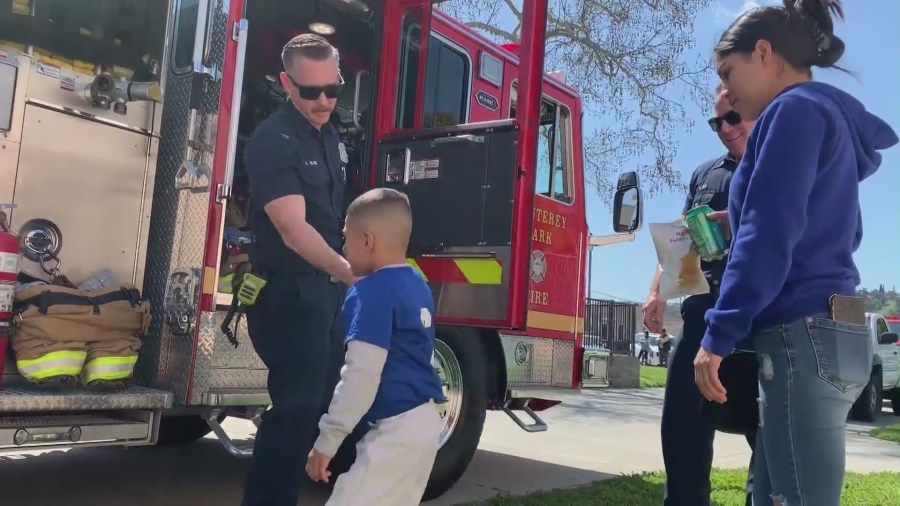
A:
(709, 186)
(288, 156)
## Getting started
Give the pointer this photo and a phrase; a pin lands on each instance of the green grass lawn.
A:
(653, 376)
(889, 433)
(874, 489)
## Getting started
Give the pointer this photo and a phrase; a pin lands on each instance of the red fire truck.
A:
(121, 131)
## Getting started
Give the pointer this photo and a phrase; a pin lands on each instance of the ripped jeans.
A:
(810, 374)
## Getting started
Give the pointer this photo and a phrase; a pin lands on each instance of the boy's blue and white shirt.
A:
(388, 317)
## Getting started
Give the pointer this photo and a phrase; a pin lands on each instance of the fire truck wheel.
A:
(459, 359)
(181, 430)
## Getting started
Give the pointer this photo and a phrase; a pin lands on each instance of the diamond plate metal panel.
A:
(25, 398)
(218, 365)
(537, 361)
(179, 219)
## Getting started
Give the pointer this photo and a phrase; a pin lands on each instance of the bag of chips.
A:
(681, 275)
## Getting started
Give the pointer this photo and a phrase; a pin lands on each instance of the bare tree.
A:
(627, 59)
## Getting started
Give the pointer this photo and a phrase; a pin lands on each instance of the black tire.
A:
(182, 430)
(870, 401)
(895, 401)
(456, 453)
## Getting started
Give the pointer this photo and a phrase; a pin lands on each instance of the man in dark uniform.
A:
(294, 165)
(687, 437)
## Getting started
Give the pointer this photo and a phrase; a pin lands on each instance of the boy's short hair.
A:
(386, 203)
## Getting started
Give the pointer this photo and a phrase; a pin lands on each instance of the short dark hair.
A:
(379, 198)
(307, 45)
(385, 205)
(802, 32)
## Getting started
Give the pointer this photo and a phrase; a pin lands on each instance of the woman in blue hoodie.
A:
(795, 219)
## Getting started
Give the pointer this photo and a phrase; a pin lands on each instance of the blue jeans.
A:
(810, 374)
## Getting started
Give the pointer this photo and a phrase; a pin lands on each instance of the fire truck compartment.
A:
(440, 169)
(85, 429)
(37, 417)
(270, 26)
(83, 131)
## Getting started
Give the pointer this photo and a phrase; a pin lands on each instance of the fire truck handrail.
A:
(355, 114)
(459, 254)
(448, 131)
(242, 26)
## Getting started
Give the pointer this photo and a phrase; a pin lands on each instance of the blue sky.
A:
(624, 270)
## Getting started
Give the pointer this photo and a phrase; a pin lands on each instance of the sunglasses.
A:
(309, 92)
(730, 117)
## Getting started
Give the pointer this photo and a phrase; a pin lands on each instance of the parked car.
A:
(885, 379)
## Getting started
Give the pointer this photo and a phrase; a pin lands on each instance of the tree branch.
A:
(492, 30)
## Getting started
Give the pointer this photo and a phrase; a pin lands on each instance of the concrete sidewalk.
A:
(593, 435)
(603, 433)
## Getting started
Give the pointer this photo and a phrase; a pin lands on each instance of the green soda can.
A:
(706, 233)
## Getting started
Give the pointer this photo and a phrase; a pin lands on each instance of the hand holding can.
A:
(706, 232)
(721, 217)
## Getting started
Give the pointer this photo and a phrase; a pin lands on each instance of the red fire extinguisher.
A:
(9, 271)
(9, 267)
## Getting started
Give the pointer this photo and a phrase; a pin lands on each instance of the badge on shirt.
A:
(343, 151)
(425, 316)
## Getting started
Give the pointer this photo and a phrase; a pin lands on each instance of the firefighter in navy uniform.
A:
(294, 163)
(687, 437)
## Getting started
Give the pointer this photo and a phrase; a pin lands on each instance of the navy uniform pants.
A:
(687, 438)
(296, 329)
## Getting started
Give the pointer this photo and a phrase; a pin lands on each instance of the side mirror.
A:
(888, 338)
(628, 211)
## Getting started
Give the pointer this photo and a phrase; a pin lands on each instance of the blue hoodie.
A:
(794, 211)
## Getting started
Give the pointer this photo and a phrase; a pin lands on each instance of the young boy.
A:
(388, 380)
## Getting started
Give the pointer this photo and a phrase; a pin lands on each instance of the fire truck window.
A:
(554, 171)
(124, 38)
(562, 163)
(446, 85)
(185, 28)
(543, 178)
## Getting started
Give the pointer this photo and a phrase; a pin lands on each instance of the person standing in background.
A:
(665, 346)
(687, 437)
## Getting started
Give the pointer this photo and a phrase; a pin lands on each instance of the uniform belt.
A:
(270, 274)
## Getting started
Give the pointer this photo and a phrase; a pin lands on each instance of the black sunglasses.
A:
(309, 92)
(730, 117)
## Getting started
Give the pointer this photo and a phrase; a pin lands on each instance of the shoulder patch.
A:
(425, 316)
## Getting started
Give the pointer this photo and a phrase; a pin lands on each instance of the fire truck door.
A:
(460, 181)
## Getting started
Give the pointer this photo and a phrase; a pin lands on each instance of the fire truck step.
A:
(27, 398)
(20, 432)
(235, 397)
(236, 449)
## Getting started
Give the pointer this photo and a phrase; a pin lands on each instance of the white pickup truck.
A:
(885, 380)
